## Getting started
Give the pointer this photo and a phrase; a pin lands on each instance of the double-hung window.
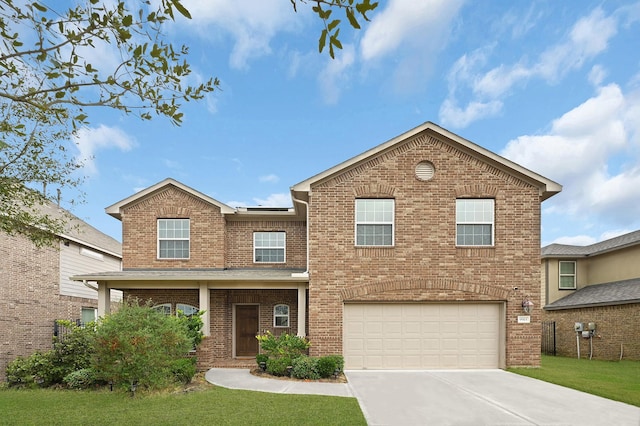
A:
(475, 222)
(281, 316)
(173, 238)
(567, 277)
(269, 247)
(375, 222)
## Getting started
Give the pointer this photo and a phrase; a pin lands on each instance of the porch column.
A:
(204, 306)
(104, 299)
(302, 310)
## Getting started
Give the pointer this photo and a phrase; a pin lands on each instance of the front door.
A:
(246, 330)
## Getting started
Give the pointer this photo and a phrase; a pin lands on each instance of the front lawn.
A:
(214, 405)
(617, 380)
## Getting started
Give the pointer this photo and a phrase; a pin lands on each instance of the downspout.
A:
(306, 203)
(91, 286)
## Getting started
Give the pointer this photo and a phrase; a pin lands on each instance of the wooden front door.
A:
(246, 329)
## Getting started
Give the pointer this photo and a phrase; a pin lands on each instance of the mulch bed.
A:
(258, 372)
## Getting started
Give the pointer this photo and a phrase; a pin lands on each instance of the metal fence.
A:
(549, 337)
(60, 331)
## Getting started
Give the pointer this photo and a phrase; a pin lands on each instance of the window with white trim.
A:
(88, 315)
(567, 275)
(281, 316)
(163, 308)
(375, 222)
(269, 247)
(173, 238)
(187, 310)
(475, 222)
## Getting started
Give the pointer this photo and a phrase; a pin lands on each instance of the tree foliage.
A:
(324, 10)
(138, 345)
(55, 65)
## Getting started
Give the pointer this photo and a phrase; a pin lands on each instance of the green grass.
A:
(215, 405)
(617, 380)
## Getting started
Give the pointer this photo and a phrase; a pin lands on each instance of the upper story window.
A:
(269, 247)
(375, 222)
(567, 278)
(475, 222)
(281, 316)
(173, 238)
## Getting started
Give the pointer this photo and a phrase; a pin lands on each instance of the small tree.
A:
(138, 346)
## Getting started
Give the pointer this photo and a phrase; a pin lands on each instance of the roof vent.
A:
(425, 170)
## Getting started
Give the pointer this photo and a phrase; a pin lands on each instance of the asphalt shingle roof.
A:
(614, 293)
(563, 250)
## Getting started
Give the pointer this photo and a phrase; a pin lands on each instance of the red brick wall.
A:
(30, 299)
(240, 243)
(139, 231)
(425, 243)
(616, 331)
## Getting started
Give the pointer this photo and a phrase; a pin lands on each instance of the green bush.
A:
(193, 324)
(305, 367)
(81, 379)
(278, 366)
(285, 345)
(139, 345)
(20, 372)
(184, 369)
(327, 365)
(261, 358)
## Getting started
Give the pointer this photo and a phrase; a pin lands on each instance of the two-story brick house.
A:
(597, 284)
(417, 253)
(35, 289)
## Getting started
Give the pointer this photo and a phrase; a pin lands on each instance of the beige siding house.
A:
(418, 253)
(597, 284)
(35, 289)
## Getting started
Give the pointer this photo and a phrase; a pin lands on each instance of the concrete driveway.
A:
(479, 397)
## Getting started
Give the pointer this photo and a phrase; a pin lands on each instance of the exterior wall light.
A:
(527, 305)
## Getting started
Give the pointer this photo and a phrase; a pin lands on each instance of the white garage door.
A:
(416, 336)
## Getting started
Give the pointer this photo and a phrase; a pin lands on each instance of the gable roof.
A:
(81, 232)
(617, 243)
(547, 187)
(115, 209)
(614, 293)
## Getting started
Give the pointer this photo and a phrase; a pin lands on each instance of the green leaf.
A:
(182, 9)
(352, 19)
(59, 95)
(40, 7)
(333, 24)
(322, 41)
(127, 20)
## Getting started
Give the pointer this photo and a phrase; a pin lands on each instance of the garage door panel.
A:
(413, 336)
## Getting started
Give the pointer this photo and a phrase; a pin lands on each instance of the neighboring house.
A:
(35, 289)
(597, 284)
(417, 253)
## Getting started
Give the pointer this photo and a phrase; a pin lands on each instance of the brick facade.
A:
(425, 263)
(30, 299)
(616, 331)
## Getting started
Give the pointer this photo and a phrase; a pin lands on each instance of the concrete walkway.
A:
(237, 378)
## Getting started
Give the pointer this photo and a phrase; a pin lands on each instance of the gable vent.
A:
(425, 170)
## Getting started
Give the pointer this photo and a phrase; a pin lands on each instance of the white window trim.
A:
(574, 275)
(288, 316)
(171, 239)
(492, 223)
(392, 222)
(283, 248)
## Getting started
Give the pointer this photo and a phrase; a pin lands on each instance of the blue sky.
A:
(553, 86)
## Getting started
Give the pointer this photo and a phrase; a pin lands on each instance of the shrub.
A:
(20, 372)
(81, 379)
(193, 324)
(327, 365)
(261, 358)
(285, 345)
(137, 345)
(184, 369)
(305, 367)
(278, 366)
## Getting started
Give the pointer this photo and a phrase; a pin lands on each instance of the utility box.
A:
(592, 327)
(578, 327)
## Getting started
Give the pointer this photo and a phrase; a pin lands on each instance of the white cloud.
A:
(590, 151)
(335, 74)
(597, 75)
(274, 200)
(250, 23)
(588, 38)
(90, 140)
(577, 240)
(269, 178)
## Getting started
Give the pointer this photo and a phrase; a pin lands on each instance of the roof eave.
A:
(592, 305)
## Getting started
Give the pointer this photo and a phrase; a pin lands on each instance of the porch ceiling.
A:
(243, 275)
